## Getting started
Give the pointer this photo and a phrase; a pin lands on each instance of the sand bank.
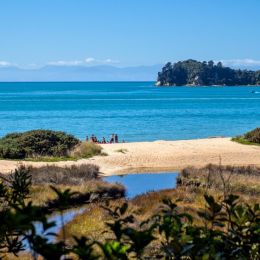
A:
(161, 156)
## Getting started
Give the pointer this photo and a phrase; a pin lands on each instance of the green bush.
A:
(253, 136)
(36, 143)
(86, 150)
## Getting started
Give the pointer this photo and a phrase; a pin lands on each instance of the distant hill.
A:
(196, 73)
(80, 73)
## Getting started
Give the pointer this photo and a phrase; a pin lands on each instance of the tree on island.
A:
(196, 73)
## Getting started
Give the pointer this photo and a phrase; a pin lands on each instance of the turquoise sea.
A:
(136, 111)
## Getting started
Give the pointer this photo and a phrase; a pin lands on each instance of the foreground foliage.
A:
(84, 180)
(231, 229)
(36, 143)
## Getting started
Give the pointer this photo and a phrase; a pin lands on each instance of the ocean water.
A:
(136, 111)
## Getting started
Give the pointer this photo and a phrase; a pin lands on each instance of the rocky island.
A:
(195, 73)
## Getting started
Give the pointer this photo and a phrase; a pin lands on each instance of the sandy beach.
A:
(161, 156)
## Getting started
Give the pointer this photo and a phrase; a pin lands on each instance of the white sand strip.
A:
(162, 156)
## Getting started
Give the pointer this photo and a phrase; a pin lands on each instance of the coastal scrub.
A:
(37, 143)
(251, 137)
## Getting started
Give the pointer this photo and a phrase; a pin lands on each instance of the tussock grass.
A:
(244, 180)
(92, 222)
(73, 175)
(86, 150)
(83, 150)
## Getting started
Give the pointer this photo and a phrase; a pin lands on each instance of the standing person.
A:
(86, 138)
(112, 139)
(116, 138)
(104, 140)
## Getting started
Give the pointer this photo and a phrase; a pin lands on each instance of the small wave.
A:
(120, 99)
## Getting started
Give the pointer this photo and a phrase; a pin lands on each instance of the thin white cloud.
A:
(111, 61)
(5, 63)
(65, 63)
(241, 62)
(90, 60)
(87, 61)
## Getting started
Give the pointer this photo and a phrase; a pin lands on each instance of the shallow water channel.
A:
(139, 183)
(135, 184)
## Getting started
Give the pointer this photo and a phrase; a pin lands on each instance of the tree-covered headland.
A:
(196, 73)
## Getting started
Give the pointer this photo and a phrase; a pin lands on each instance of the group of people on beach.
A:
(94, 139)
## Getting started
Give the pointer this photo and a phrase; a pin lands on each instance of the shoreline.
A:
(190, 85)
(160, 156)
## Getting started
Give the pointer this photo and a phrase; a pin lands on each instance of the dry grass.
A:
(42, 194)
(22, 256)
(51, 174)
(73, 175)
(244, 181)
(86, 150)
(91, 223)
(193, 183)
(83, 179)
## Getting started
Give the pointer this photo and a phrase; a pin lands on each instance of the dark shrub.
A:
(11, 149)
(253, 136)
(36, 143)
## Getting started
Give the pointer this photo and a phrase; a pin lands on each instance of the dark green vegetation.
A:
(192, 72)
(36, 143)
(251, 137)
(46, 145)
(224, 227)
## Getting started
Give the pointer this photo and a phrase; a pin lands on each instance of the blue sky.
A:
(127, 32)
